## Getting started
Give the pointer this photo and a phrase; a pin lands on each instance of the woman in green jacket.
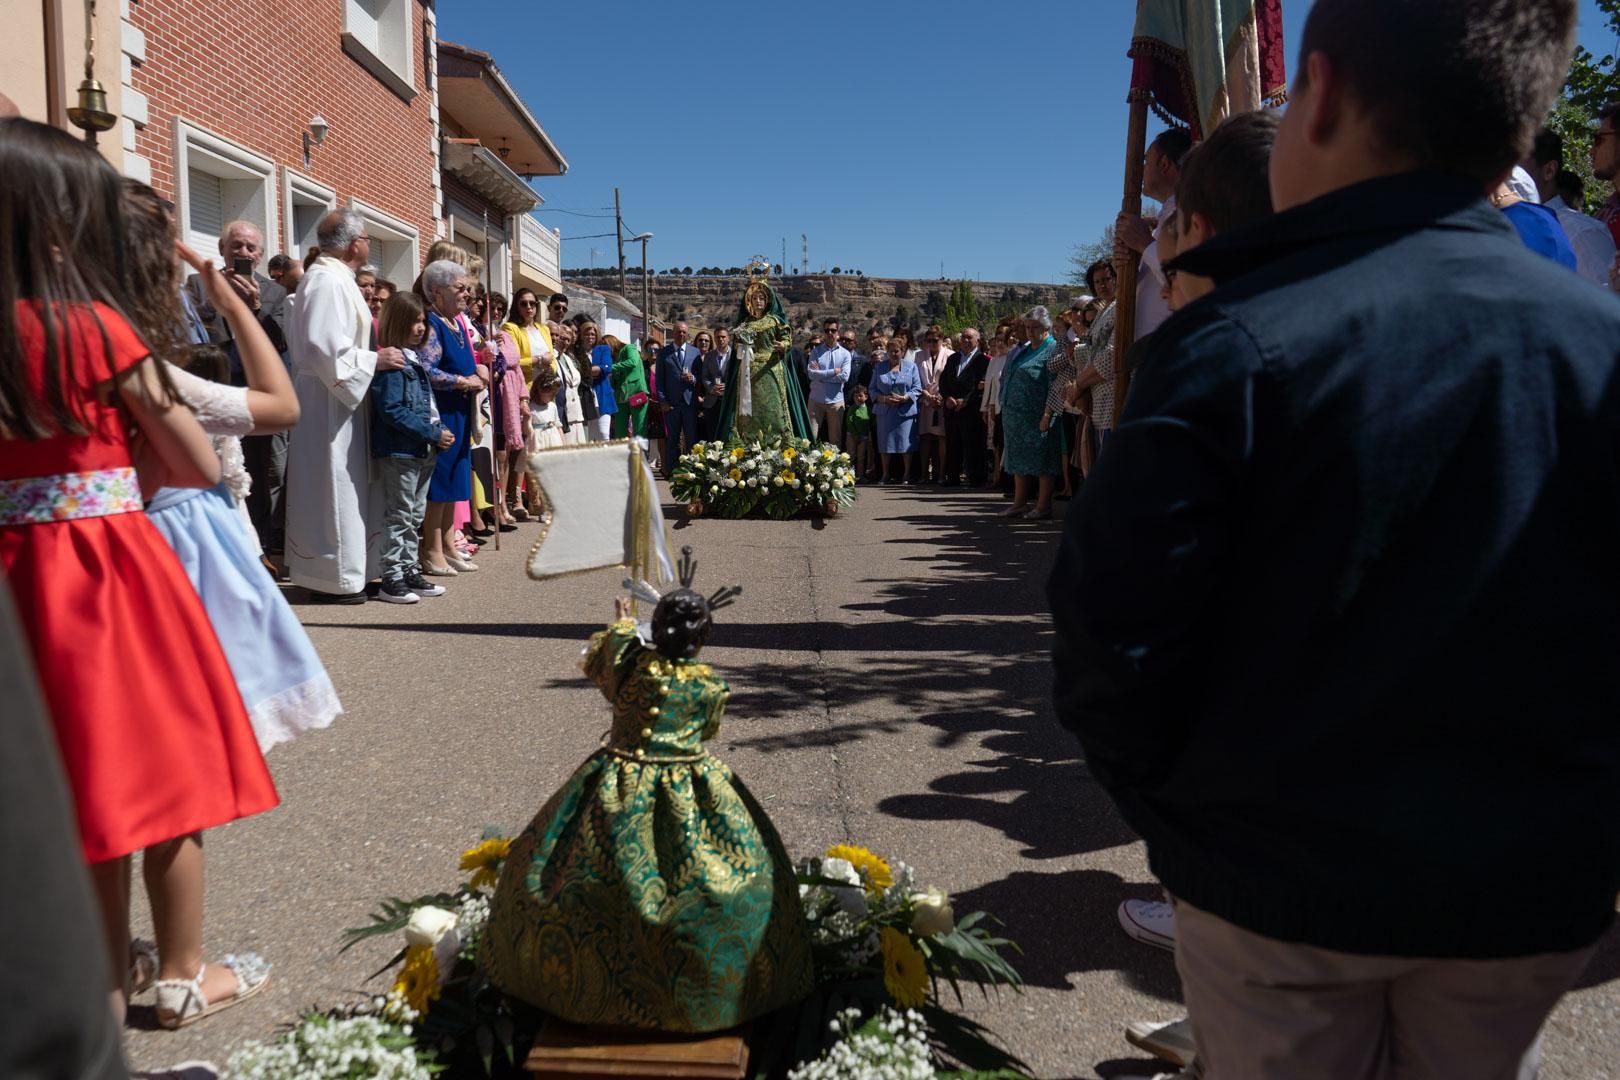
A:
(629, 380)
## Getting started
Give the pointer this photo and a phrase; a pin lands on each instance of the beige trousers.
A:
(833, 416)
(1268, 1010)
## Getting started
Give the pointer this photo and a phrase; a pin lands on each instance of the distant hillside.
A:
(859, 302)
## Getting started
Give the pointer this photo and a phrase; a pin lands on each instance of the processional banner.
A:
(604, 512)
(1199, 61)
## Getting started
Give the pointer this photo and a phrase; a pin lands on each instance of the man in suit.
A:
(265, 456)
(678, 370)
(961, 384)
(712, 383)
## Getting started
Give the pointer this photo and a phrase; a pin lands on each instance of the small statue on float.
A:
(652, 891)
(769, 402)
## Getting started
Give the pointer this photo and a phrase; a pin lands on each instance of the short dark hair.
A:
(277, 263)
(1547, 146)
(1173, 143)
(554, 297)
(830, 322)
(1572, 189)
(1457, 86)
(1227, 176)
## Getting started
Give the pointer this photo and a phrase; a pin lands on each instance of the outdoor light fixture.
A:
(318, 127)
(91, 115)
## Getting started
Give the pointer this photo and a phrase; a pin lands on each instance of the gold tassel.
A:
(637, 546)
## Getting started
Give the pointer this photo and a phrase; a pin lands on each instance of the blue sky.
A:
(896, 133)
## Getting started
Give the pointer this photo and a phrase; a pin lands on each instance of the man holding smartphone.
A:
(242, 246)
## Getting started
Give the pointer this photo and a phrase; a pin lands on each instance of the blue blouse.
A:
(887, 380)
(1541, 232)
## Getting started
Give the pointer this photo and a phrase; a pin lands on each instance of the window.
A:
(307, 201)
(393, 245)
(220, 182)
(377, 34)
(467, 232)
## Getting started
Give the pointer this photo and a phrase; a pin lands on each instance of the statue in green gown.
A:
(769, 402)
(651, 891)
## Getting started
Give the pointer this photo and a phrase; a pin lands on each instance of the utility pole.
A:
(784, 255)
(646, 309)
(804, 238)
(618, 228)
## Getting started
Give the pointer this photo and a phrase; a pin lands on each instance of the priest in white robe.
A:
(334, 510)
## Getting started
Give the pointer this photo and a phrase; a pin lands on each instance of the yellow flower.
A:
(485, 861)
(787, 476)
(737, 452)
(905, 974)
(736, 474)
(418, 981)
(789, 454)
(873, 869)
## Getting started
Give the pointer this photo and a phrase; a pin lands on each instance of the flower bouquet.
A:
(780, 477)
(880, 945)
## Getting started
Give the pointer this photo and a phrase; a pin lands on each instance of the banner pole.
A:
(1125, 304)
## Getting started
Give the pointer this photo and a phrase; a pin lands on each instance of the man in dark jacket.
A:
(961, 384)
(1337, 608)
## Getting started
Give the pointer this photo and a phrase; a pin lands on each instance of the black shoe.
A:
(505, 527)
(480, 534)
(950, 483)
(395, 591)
(337, 598)
(421, 586)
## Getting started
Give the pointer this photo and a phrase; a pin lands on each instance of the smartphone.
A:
(242, 267)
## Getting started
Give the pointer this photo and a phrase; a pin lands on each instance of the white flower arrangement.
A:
(890, 1045)
(359, 1042)
(784, 477)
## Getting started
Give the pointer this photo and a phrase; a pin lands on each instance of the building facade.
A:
(277, 113)
(491, 147)
(42, 55)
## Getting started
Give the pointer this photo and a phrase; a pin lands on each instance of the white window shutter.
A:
(207, 199)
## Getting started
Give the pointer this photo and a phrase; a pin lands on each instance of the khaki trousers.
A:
(1268, 1010)
(831, 414)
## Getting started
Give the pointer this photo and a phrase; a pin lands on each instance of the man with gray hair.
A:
(333, 509)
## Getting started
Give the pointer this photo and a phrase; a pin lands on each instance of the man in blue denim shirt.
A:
(1337, 609)
(828, 368)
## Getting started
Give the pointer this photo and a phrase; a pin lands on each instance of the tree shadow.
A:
(1065, 924)
(1605, 963)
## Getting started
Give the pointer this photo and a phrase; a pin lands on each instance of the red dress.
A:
(152, 730)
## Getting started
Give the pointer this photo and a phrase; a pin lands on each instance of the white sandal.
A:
(184, 1002)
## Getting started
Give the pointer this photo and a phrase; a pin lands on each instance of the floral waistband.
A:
(40, 500)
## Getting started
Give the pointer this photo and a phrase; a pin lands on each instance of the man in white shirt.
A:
(829, 370)
(1591, 239)
(334, 522)
(1161, 171)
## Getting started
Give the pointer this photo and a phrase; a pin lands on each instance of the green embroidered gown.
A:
(651, 891)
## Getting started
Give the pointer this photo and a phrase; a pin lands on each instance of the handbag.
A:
(637, 399)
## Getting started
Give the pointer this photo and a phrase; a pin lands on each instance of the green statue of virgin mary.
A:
(763, 398)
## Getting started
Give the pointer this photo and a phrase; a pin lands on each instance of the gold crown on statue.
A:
(759, 268)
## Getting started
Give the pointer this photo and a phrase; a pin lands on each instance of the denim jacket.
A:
(1337, 608)
(402, 424)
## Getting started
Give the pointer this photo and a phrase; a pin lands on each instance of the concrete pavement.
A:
(890, 681)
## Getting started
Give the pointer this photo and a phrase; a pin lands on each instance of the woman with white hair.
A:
(1034, 445)
(456, 379)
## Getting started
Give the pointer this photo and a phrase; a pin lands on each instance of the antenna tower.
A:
(804, 238)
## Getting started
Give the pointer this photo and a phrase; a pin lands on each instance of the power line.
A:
(574, 213)
(592, 236)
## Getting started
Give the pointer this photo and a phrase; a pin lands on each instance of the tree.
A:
(687, 271)
(836, 270)
(1593, 82)
(1083, 255)
(777, 270)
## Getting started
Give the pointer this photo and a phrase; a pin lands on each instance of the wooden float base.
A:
(568, 1051)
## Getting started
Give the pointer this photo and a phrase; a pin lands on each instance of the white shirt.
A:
(1151, 310)
(1591, 239)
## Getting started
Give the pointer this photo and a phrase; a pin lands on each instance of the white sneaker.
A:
(1152, 922)
(1172, 1041)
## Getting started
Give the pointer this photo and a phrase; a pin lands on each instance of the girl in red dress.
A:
(158, 746)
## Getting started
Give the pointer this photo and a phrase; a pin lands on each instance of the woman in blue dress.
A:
(456, 379)
(1030, 451)
(895, 388)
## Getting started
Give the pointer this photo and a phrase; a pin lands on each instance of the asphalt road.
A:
(890, 681)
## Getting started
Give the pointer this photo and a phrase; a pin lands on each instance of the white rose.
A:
(714, 489)
(852, 896)
(931, 912)
(798, 484)
(730, 483)
(777, 480)
(823, 487)
(428, 925)
(837, 483)
(753, 481)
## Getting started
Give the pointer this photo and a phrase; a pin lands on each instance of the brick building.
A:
(223, 99)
